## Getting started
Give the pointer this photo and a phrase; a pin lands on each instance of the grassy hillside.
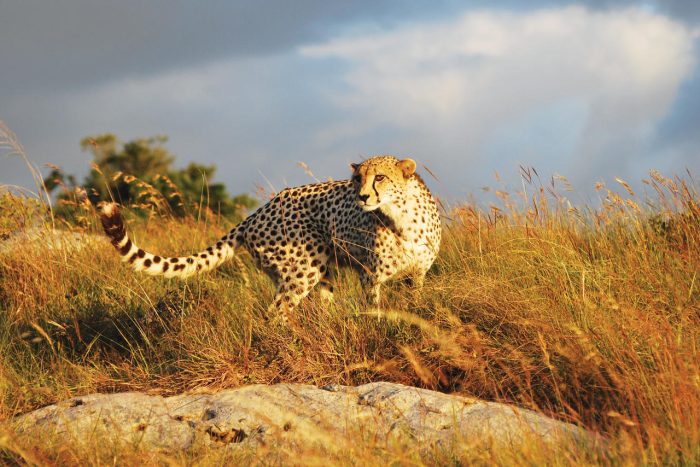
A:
(590, 315)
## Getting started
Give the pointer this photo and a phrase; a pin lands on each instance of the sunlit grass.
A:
(589, 314)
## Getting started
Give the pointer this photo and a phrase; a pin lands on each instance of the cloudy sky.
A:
(588, 90)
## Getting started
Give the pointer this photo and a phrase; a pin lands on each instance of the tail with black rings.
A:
(155, 265)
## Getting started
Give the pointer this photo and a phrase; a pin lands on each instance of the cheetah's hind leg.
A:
(286, 299)
(291, 290)
(242, 270)
(326, 286)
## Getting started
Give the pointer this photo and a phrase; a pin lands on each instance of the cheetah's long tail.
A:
(143, 261)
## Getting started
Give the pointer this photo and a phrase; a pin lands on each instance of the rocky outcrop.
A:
(260, 414)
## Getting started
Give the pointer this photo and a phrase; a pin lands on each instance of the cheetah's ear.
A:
(354, 166)
(408, 167)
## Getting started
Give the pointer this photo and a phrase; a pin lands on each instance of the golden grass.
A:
(589, 315)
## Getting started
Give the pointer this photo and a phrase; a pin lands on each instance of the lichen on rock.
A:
(299, 414)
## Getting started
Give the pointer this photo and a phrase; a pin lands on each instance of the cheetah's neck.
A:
(405, 214)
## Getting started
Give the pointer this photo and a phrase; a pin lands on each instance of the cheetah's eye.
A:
(379, 178)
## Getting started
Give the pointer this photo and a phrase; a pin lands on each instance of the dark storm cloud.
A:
(687, 11)
(75, 43)
(63, 44)
(678, 135)
(83, 42)
(684, 10)
(680, 130)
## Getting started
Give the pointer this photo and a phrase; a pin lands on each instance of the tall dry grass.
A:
(590, 315)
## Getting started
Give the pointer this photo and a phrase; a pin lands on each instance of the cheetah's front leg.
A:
(418, 279)
(326, 286)
(370, 287)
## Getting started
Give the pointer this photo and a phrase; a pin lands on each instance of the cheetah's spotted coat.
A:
(382, 222)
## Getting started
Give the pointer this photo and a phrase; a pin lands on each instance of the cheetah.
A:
(383, 222)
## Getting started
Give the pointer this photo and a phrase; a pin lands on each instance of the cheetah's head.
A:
(381, 180)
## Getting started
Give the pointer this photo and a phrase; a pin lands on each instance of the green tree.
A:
(139, 174)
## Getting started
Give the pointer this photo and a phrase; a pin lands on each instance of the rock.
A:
(299, 414)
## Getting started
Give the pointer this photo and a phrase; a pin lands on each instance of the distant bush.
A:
(139, 174)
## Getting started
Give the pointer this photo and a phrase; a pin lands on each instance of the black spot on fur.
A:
(126, 248)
